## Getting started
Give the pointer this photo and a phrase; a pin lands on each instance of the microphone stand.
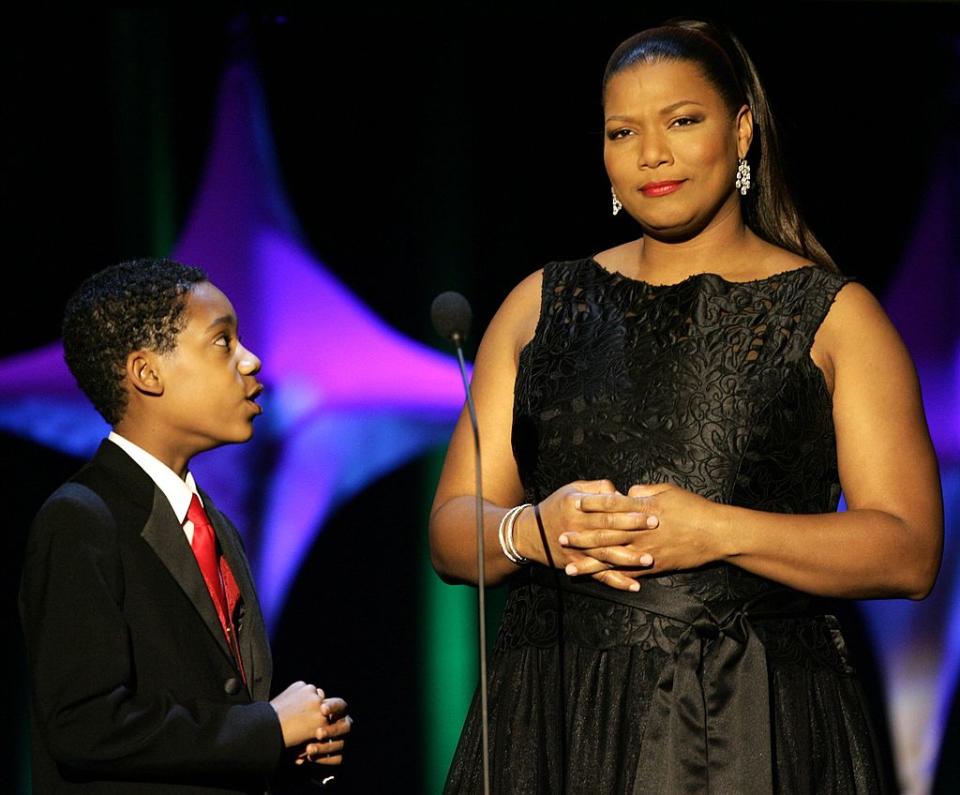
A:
(481, 568)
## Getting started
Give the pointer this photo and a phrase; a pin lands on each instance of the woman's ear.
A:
(143, 372)
(744, 131)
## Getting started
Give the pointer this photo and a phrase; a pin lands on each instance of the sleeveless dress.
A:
(710, 680)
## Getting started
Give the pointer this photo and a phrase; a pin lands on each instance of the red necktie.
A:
(205, 549)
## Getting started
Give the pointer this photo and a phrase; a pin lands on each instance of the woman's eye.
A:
(613, 135)
(223, 340)
(684, 121)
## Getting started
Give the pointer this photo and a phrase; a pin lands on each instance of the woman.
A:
(677, 415)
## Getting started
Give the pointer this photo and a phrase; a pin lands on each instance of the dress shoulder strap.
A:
(821, 291)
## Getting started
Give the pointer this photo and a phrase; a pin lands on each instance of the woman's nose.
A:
(653, 151)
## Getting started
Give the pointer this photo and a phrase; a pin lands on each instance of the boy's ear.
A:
(143, 373)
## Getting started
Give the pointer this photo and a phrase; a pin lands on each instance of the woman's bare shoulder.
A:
(857, 331)
(515, 322)
(855, 310)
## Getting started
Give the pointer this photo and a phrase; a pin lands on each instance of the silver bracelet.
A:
(502, 535)
(511, 525)
(505, 534)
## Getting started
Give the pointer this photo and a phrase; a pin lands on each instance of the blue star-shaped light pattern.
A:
(347, 399)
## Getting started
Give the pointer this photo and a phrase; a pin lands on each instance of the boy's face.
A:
(209, 379)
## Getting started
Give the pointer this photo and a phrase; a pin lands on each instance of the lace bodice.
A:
(707, 384)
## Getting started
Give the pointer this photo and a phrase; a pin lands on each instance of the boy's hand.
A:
(300, 709)
(329, 749)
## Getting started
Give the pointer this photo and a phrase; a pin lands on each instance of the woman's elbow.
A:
(923, 573)
(441, 557)
(441, 566)
(922, 581)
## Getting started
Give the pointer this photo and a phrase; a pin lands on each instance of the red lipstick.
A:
(654, 189)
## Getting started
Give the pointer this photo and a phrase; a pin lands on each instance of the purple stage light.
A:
(918, 644)
(348, 398)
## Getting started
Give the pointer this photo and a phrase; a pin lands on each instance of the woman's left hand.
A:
(686, 536)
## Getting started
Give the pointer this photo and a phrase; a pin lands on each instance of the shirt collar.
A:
(178, 492)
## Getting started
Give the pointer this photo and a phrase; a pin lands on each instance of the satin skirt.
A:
(664, 692)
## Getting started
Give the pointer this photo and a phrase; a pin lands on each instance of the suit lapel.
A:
(254, 648)
(165, 536)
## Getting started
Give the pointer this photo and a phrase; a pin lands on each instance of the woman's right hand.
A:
(563, 511)
(453, 548)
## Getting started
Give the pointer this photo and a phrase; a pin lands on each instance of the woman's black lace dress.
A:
(713, 680)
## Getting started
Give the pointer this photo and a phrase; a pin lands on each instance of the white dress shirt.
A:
(178, 492)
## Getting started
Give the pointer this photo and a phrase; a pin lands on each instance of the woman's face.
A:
(671, 147)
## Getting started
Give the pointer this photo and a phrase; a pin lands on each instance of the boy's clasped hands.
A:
(313, 723)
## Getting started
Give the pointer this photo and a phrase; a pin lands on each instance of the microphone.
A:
(451, 316)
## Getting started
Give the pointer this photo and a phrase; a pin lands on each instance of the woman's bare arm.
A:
(452, 519)
(887, 543)
(453, 545)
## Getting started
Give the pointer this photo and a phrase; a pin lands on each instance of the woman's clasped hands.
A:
(593, 530)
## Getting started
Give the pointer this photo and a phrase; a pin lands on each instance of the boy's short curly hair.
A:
(123, 308)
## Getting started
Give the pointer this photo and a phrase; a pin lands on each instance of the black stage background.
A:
(422, 151)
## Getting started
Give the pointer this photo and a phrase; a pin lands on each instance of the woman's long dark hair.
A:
(768, 208)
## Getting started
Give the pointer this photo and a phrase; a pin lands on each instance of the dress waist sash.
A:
(708, 724)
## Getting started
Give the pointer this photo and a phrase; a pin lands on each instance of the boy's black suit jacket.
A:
(134, 688)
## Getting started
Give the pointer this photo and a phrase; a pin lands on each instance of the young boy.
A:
(149, 658)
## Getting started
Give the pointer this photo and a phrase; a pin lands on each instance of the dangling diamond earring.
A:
(743, 176)
(617, 207)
